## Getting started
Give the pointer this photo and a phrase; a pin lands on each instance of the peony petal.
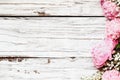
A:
(111, 75)
(110, 9)
(102, 52)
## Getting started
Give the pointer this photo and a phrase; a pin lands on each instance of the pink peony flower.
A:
(111, 75)
(111, 43)
(102, 52)
(110, 9)
(113, 29)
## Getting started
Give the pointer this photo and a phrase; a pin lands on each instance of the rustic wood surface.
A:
(45, 69)
(50, 8)
(48, 48)
(62, 45)
(46, 36)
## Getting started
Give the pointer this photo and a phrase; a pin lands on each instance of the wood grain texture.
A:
(63, 44)
(40, 69)
(50, 36)
(50, 8)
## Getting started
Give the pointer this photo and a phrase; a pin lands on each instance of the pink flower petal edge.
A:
(111, 75)
(102, 52)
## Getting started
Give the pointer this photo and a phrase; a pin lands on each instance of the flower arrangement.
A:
(106, 55)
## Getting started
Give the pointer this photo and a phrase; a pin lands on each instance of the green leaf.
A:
(118, 46)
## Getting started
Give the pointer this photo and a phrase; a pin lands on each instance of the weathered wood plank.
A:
(49, 37)
(50, 8)
(47, 69)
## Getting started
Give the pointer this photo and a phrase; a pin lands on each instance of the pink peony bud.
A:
(111, 75)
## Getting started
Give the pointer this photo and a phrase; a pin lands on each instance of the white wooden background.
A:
(48, 48)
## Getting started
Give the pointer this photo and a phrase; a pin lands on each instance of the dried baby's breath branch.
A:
(96, 76)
